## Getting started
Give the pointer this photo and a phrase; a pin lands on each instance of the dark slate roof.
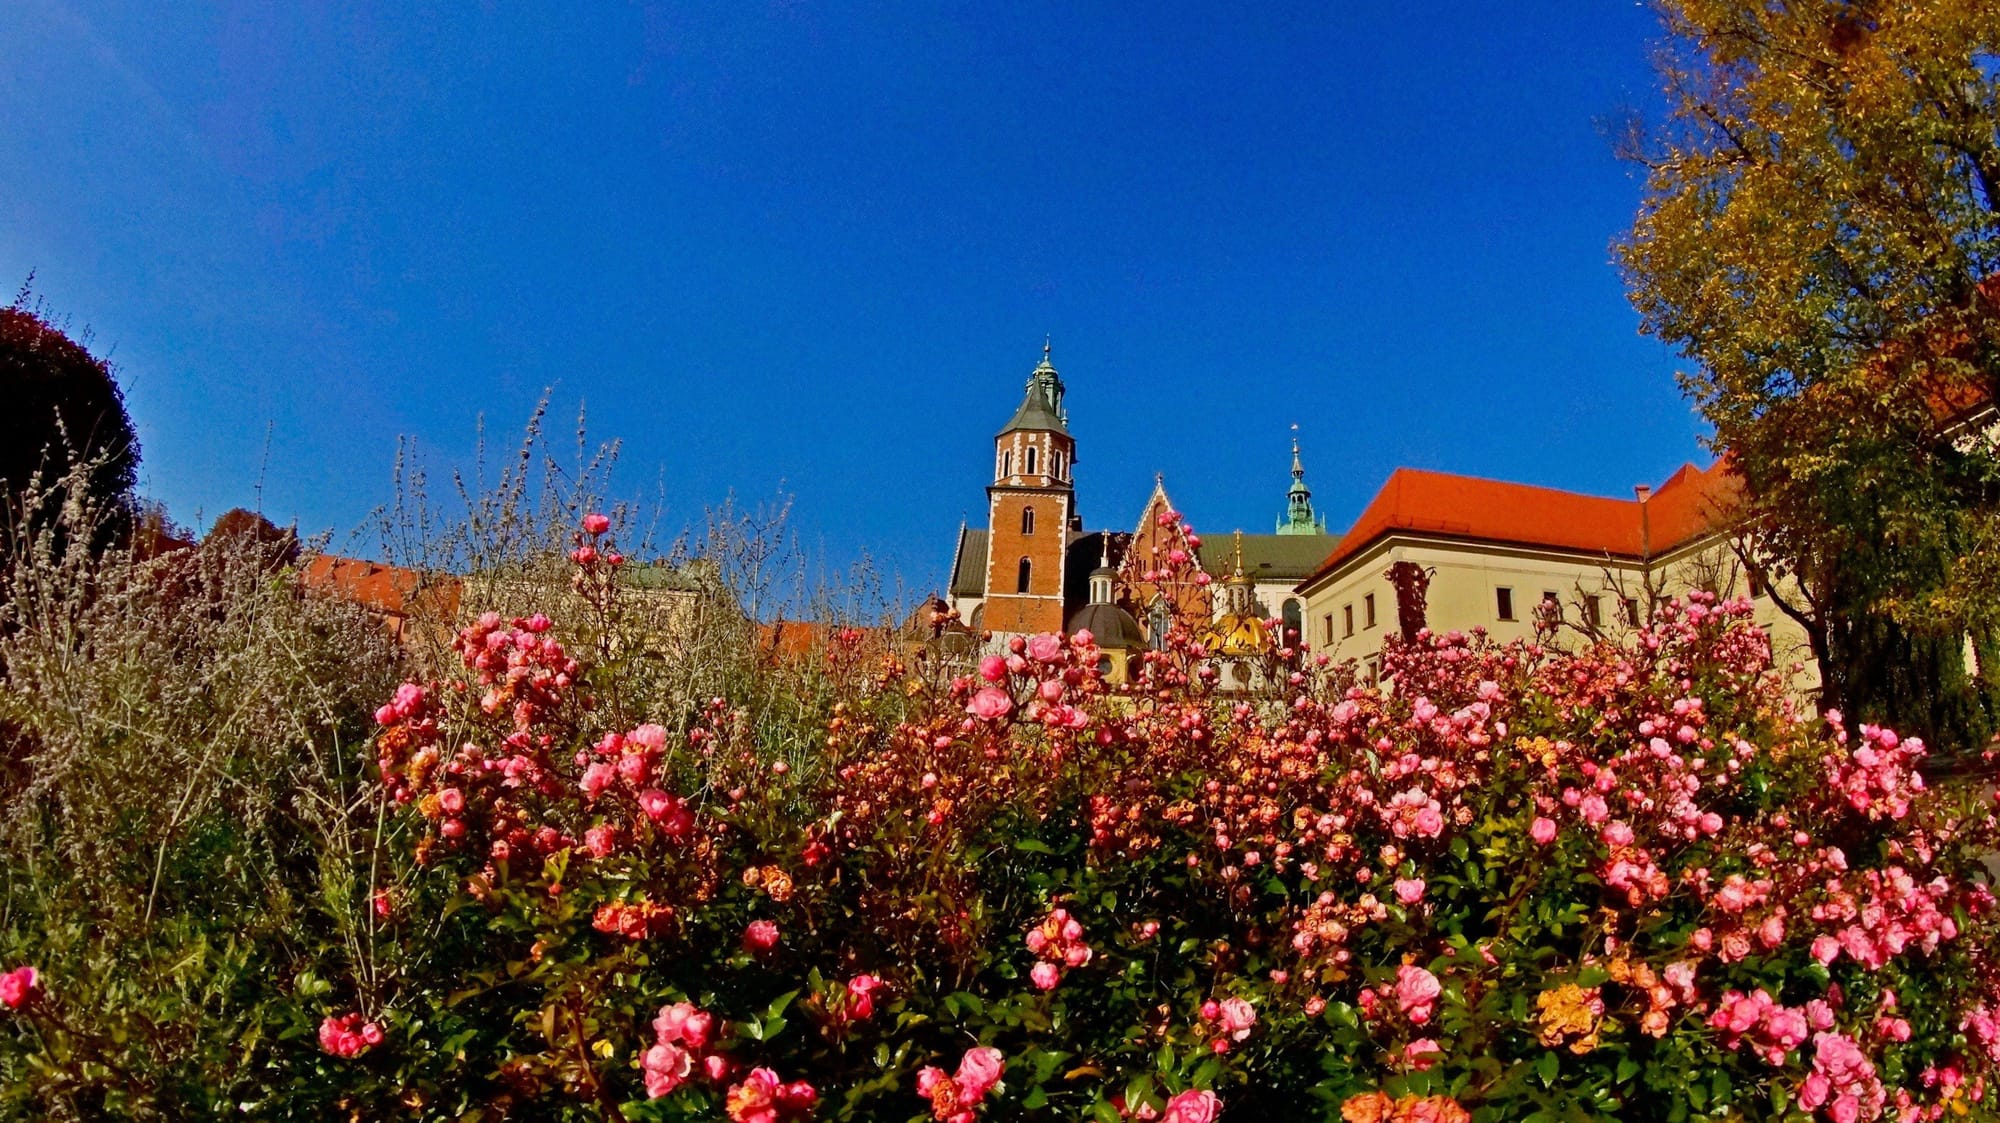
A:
(1108, 624)
(1036, 412)
(968, 571)
(1266, 557)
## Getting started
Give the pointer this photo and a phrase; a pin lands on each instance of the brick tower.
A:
(1031, 506)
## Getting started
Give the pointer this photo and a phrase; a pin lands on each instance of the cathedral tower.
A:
(1031, 506)
(1299, 517)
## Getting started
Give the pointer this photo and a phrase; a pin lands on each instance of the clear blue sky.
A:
(817, 246)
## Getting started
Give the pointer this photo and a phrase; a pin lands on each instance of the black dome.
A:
(1109, 625)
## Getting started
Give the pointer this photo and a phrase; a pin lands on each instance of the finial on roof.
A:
(1239, 554)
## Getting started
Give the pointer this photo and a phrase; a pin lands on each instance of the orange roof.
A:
(382, 588)
(792, 639)
(1441, 505)
(788, 641)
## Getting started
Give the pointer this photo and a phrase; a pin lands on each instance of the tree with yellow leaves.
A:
(1820, 236)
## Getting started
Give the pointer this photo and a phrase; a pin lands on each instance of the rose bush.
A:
(1633, 881)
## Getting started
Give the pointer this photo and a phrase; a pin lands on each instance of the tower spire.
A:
(1299, 517)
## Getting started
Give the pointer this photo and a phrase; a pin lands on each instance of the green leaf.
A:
(1547, 1068)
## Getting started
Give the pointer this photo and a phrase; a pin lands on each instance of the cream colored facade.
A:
(1498, 588)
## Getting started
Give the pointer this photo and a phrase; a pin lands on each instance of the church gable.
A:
(1149, 555)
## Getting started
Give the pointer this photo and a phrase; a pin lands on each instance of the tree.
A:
(63, 409)
(1821, 235)
(252, 530)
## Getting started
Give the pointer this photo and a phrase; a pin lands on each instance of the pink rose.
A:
(928, 1078)
(760, 936)
(1417, 993)
(1045, 648)
(755, 1100)
(861, 996)
(993, 668)
(1421, 1054)
(990, 704)
(633, 769)
(601, 840)
(1236, 1016)
(1409, 890)
(595, 523)
(18, 986)
(1193, 1106)
(978, 1071)
(597, 778)
(798, 1097)
(1814, 1091)
(667, 1067)
(684, 1023)
(1045, 975)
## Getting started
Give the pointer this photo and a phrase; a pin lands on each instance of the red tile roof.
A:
(382, 588)
(1440, 505)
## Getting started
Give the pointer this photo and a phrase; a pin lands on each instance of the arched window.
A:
(1158, 621)
(1021, 583)
(1055, 463)
(1031, 460)
(1294, 622)
(1027, 520)
(1007, 463)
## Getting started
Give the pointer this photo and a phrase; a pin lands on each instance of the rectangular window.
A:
(1756, 584)
(1368, 610)
(1551, 608)
(1347, 617)
(1374, 666)
(1593, 610)
(1326, 628)
(1503, 603)
(1632, 611)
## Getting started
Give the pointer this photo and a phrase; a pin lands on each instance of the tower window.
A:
(1021, 582)
(1031, 459)
(1007, 463)
(1028, 520)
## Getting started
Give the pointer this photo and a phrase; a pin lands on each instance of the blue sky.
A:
(816, 247)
